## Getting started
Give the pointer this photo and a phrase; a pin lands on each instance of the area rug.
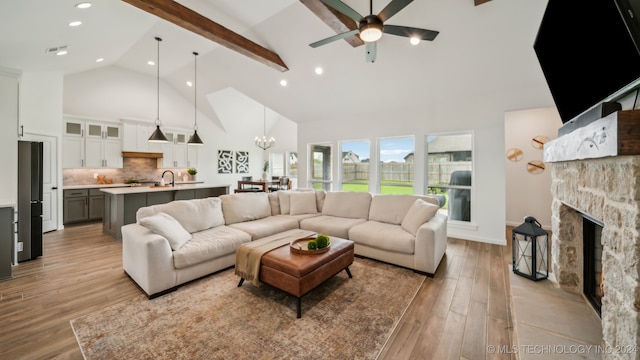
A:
(212, 318)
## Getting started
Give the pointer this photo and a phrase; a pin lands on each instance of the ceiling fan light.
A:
(371, 32)
(414, 40)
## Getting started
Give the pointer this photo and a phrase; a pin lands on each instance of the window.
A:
(320, 169)
(449, 170)
(292, 163)
(396, 170)
(355, 166)
(277, 164)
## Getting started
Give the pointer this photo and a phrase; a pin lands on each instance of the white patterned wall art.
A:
(242, 162)
(225, 162)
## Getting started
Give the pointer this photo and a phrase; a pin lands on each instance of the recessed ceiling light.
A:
(150, 63)
(62, 52)
(75, 23)
(189, 84)
(319, 70)
(283, 82)
(414, 40)
(83, 5)
(100, 60)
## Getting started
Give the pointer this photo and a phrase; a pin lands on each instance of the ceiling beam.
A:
(336, 20)
(196, 23)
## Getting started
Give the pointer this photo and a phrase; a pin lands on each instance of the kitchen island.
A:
(121, 204)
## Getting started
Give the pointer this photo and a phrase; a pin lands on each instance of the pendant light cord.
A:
(195, 91)
(158, 84)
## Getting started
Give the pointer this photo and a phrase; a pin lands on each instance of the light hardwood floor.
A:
(455, 315)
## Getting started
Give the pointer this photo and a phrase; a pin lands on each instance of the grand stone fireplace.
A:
(606, 190)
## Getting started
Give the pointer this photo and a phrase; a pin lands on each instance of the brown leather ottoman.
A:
(298, 274)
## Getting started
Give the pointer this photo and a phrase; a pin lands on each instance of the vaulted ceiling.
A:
(479, 49)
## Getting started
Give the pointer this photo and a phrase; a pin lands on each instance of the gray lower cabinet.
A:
(6, 241)
(96, 204)
(82, 205)
(76, 206)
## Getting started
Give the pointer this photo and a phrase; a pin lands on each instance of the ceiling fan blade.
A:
(392, 8)
(409, 32)
(372, 51)
(334, 38)
(344, 8)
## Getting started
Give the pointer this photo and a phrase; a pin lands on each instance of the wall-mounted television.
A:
(589, 52)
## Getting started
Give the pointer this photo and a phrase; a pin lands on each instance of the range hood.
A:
(139, 154)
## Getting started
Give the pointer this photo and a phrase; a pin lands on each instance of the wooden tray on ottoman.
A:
(299, 246)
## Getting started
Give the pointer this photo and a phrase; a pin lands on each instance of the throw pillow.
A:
(274, 201)
(419, 213)
(168, 227)
(283, 198)
(302, 203)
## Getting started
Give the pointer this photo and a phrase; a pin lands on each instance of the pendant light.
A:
(262, 142)
(195, 138)
(158, 136)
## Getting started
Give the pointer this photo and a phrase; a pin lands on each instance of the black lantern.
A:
(530, 250)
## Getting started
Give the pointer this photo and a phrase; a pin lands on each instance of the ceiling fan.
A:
(372, 26)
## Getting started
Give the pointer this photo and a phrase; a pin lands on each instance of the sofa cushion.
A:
(393, 208)
(320, 196)
(245, 207)
(266, 226)
(330, 225)
(419, 213)
(353, 205)
(209, 244)
(274, 201)
(284, 198)
(383, 236)
(193, 215)
(168, 227)
(302, 203)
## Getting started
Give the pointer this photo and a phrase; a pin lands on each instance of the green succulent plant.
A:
(322, 241)
(312, 245)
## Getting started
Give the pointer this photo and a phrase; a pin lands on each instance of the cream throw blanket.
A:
(248, 255)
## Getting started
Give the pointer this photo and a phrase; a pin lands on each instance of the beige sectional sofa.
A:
(177, 242)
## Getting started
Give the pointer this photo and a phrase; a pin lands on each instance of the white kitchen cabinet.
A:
(175, 151)
(72, 152)
(103, 145)
(73, 144)
(135, 136)
(91, 144)
(192, 155)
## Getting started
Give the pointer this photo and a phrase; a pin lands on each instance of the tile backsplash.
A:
(138, 168)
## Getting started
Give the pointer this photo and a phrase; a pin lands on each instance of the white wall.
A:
(528, 194)
(8, 136)
(483, 115)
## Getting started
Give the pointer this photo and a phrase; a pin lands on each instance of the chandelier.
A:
(262, 142)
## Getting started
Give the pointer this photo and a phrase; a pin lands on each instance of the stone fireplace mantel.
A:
(605, 188)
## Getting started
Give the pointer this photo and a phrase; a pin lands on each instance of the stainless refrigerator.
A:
(29, 200)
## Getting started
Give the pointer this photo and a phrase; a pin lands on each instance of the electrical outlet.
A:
(179, 173)
(95, 175)
(20, 246)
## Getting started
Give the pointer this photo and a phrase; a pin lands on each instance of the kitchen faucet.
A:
(173, 182)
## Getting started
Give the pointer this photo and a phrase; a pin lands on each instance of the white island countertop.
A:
(147, 189)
